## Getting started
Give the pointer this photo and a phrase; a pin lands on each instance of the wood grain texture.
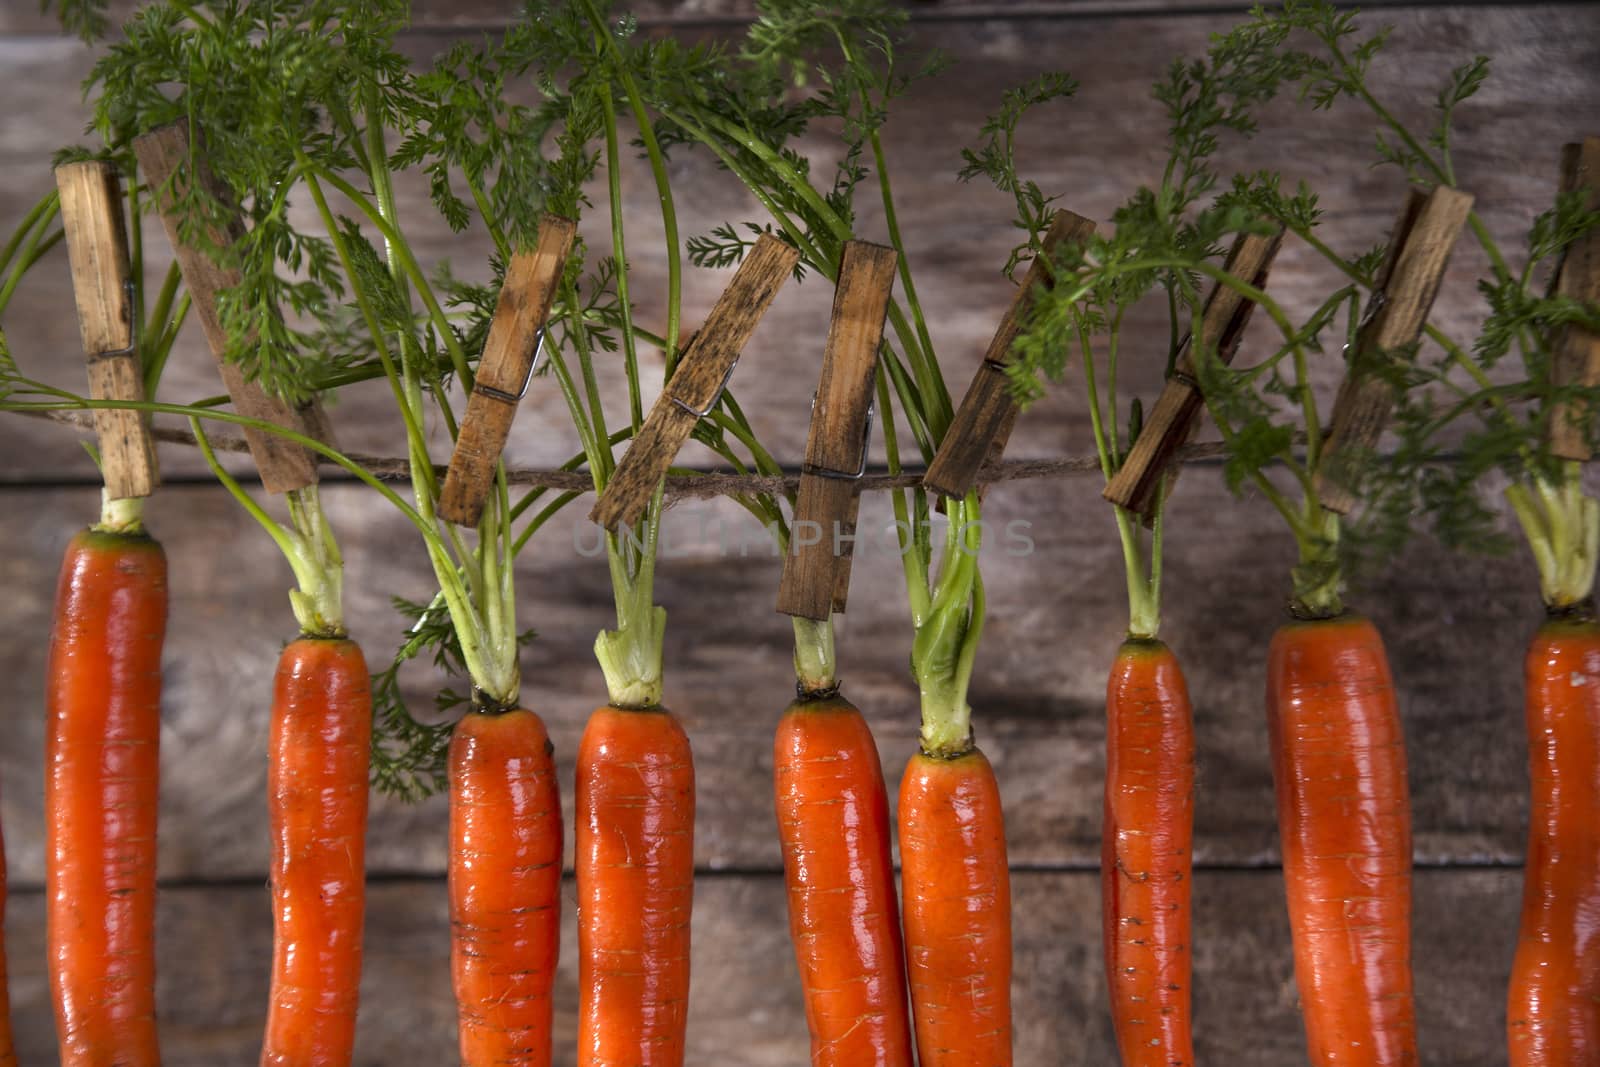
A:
(1455, 627)
(1172, 421)
(745, 1008)
(502, 376)
(97, 251)
(431, 16)
(816, 575)
(168, 161)
(702, 373)
(988, 412)
(1403, 294)
(1506, 153)
(1577, 352)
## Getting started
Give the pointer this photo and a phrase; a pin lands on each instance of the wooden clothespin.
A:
(97, 250)
(509, 355)
(1171, 422)
(816, 571)
(283, 465)
(696, 385)
(988, 412)
(1402, 295)
(1576, 360)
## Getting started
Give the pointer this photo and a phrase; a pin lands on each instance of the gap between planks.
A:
(182, 885)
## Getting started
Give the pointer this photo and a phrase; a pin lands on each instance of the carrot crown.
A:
(749, 121)
(1461, 411)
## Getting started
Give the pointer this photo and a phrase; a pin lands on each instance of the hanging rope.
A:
(681, 486)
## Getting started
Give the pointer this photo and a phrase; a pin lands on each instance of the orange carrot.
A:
(321, 741)
(104, 710)
(833, 820)
(635, 866)
(1339, 764)
(957, 910)
(505, 887)
(1145, 855)
(1553, 1007)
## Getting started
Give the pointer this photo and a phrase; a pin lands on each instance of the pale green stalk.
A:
(124, 515)
(814, 660)
(307, 544)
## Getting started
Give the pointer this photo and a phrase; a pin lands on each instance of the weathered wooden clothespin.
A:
(703, 371)
(1402, 295)
(816, 571)
(283, 464)
(988, 412)
(509, 355)
(1576, 360)
(97, 250)
(1172, 420)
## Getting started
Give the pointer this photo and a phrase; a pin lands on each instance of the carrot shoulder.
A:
(505, 887)
(833, 822)
(957, 892)
(635, 867)
(321, 739)
(1146, 842)
(1553, 1003)
(104, 726)
(1344, 821)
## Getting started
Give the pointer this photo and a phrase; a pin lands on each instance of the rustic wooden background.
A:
(1455, 625)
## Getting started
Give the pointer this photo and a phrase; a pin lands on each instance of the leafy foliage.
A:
(273, 92)
(995, 158)
(84, 18)
(1454, 424)
(409, 754)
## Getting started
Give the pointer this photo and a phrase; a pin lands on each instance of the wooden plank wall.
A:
(1455, 626)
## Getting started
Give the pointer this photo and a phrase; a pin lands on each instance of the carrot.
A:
(1339, 765)
(957, 910)
(635, 860)
(1553, 1007)
(104, 724)
(321, 738)
(1145, 855)
(505, 886)
(833, 820)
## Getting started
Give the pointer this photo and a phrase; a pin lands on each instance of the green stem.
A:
(33, 250)
(124, 515)
(1458, 355)
(161, 329)
(410, 406)
(911, 559)
(619, 252)
(319, 602)
(630, 655)
(500, 679)
(815, 670)
(1144, 608)
(1318, 578)
(38, 217)
(944, 647)
(658, 171)
(1097, 426)
(308, 546)
(939, 396)
(1562, 526)
(412, 269)
(597, 414)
